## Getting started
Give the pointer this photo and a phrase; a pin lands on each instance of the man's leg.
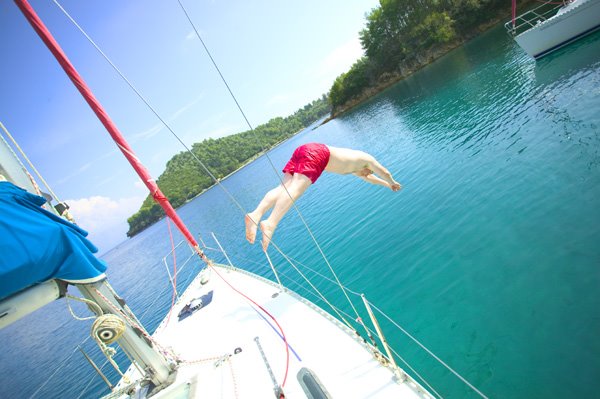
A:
(263, 207)
(283, 203)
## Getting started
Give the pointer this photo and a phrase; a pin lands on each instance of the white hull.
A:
(342, 362)
(573, 22)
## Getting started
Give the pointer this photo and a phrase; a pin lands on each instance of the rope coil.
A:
(108, 328)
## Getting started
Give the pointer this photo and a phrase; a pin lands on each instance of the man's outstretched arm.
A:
(380, 182)
(381, 171)
(383, 174)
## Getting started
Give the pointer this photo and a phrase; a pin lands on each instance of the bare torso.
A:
(345, 160)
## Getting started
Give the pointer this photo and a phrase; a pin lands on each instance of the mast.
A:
(112, 129)
(159, 369)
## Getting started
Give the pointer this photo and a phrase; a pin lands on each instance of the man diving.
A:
(302, 170)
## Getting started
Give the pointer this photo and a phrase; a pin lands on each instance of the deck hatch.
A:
(313, 388)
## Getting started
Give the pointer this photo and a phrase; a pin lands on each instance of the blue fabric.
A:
(36, 245)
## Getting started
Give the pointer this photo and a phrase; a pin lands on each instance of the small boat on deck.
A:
(553, 25)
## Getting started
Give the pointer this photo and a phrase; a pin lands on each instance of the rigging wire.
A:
(62, 364)
(150, 107)
(193, 155)
(314, 239)
(234, 200)
(291, 279)
(555, 2)
(28, 161)
(430, 352)
(206, 169)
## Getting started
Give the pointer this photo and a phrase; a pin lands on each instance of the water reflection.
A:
(578, 57)
(482, 96)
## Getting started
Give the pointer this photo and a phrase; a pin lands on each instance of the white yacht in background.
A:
(551, 25)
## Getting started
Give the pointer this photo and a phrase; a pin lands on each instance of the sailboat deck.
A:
(210, 338)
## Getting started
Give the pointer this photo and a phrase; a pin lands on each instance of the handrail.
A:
(400, 375)
(533, 17)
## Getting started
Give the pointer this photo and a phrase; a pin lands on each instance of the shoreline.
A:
(219, 180)
(389, 79)
(254, 158)
(248, 162)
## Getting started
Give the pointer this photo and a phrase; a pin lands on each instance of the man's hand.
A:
(396, 186)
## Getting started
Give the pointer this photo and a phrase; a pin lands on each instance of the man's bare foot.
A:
(250, 228)
(267, 232)
(396, 186)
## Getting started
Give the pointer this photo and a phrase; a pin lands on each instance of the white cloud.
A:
(86, 166)
(104, 218)
(192, 34)
(146, 134)
(340, 59)
(153, 130)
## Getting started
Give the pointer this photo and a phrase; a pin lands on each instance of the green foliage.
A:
(436, 28)
(398, 32)
(184, 178)
(336, 94)
(351, 83)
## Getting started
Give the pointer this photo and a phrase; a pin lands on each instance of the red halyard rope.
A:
(287, 348)
(102, 115)
(150, 183)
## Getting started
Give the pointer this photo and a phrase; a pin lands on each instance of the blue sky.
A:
(276, 55)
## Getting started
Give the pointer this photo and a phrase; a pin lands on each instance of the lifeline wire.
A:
(155, 113)
(431, 353)
(392, 349)
(91, 380)
(320, 295)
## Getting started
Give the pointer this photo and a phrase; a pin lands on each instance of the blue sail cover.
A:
(36, 245)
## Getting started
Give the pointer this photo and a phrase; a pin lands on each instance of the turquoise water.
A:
(490, 254)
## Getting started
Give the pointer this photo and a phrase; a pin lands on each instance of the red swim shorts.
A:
(309, 160)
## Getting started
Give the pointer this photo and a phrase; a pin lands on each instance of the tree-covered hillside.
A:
(184, 178)
(402, 35)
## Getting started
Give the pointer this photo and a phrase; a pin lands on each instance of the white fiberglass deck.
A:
(344, 366)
